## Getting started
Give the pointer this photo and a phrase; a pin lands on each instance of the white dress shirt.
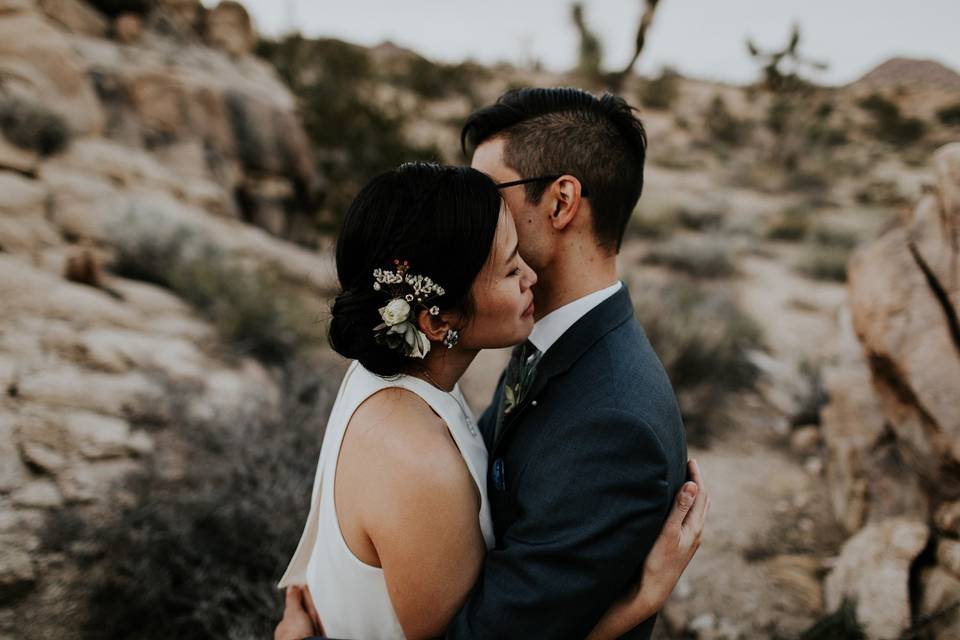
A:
(550, 327)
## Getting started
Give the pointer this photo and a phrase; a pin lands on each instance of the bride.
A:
(399, 521)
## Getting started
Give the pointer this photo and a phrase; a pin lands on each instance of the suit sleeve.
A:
(592, 506)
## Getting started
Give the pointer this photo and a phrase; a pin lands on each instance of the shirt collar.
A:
(548, 329)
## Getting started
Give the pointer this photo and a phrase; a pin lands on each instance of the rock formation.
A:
(892, 427)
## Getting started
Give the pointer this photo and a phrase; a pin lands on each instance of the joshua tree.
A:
(615, 81)
(776, 77)
(591, 51)
(798, 111)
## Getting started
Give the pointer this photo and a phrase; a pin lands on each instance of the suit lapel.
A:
(584, 333)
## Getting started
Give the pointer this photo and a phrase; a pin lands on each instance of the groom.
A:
(586, 443)
(585, 462)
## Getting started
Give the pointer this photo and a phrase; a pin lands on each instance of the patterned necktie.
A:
(519, 376)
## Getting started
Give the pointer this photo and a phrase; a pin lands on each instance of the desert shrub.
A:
(705, 258)
(432, 80)
(842, 624)
(661, 91)
(813, 395)
(722, 126)
(950, 115)
(353, 137)
(889, 124)
(198, 555)
(825, 262)
(253, 309)
(791, 224)
(30, 125)
(830, 237)
(651, 225)
(703, 339)
(882, 192)
(702, 217)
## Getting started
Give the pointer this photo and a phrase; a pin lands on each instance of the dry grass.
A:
(703, 339)
(198, 555)
(254, 310)
(700, 257)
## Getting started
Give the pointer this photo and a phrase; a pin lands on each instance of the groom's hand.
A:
(297, 622)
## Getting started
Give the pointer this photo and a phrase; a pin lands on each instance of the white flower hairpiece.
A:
(398, 330)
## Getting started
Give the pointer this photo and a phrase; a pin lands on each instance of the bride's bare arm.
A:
(674, 548)
(423, 522)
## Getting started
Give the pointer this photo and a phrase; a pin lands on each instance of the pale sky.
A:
(702, 38)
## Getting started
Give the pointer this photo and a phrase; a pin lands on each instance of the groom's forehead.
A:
(488, 158)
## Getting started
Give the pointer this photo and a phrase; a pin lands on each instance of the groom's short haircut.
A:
(554, 131)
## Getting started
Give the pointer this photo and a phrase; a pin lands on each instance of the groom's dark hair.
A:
(599, 140)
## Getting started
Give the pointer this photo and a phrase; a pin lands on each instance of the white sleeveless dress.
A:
(351, 596)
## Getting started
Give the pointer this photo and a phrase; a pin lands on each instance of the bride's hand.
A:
(299, 617)
(674, 548)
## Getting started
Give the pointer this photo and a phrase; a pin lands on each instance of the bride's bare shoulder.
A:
(398, 431)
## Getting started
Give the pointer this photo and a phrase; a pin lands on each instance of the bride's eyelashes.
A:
(515, 272)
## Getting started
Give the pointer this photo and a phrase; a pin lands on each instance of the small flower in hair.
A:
(398, 331)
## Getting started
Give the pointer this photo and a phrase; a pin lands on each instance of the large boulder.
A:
(230, 28)
(873, 574)
(37, 61)
(905, 302)
(76, 16)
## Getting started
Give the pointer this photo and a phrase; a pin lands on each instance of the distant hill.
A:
(909, 71)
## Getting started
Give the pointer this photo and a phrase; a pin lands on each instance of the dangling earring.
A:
(450, 338)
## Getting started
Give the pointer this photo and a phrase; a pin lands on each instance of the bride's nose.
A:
(531, 276)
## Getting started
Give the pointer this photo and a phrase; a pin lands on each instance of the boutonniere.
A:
(511, 397)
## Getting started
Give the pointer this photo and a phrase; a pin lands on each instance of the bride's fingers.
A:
(698, 513)
(681, 507)
(292, 599)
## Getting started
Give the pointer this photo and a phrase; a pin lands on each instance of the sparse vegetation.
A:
(792, 224)
(697, 332)
(30, 125)
(889, 124)
(825, 262)
(704, 258)
(660, 92)
(199, 555)
(950, 116)
(652, 225)
(840, 625)
(722, 126)
(881, 192)
(353, 136)
(254, 310)
(813, 396)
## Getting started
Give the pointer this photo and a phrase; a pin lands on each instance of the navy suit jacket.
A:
(582, 476)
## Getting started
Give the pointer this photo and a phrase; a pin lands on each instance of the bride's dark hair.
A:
(442, 220)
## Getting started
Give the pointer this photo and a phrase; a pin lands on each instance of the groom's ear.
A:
(435, 327)
(565, 194)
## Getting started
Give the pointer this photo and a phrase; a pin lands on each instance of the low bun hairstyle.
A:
(442, 220)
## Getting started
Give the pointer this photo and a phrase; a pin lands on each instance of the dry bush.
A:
(791, 224)
(30, 125)
(703, 339)
(824, 262)
(703, 258)
(199, 555)
(254, 310)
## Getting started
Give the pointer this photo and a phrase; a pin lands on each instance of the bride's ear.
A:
(435, 327)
